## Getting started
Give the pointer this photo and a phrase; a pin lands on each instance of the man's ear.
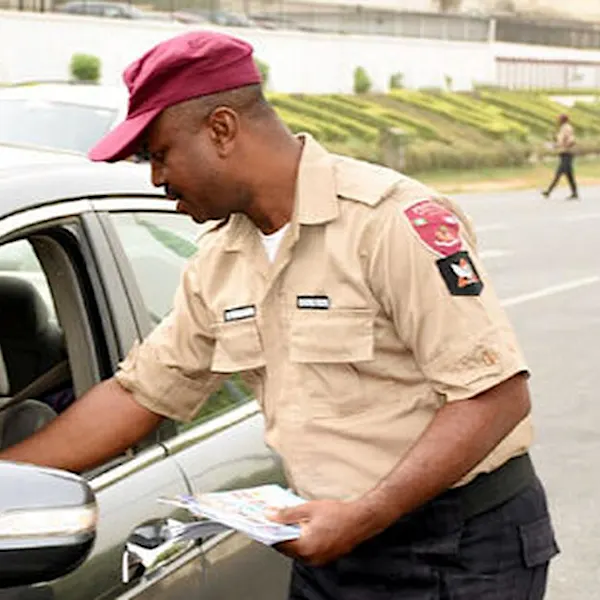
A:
(223, 127)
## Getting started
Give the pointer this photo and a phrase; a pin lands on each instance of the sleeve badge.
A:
(436, 226)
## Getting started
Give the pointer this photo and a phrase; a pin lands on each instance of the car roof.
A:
(16, 155)
(106, 96)
(29, 186)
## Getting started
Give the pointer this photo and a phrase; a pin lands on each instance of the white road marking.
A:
(550, 291)
(487, 254)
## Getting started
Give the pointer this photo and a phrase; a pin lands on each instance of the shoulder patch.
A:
(436, 227)
(460, 275)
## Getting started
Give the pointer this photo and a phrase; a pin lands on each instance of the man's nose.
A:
(158, 174)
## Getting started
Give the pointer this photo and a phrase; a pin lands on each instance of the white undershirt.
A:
(272, 241)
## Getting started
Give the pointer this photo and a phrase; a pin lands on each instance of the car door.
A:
(68, 258)
(223, 448)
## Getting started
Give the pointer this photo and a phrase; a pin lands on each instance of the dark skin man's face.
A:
(196, 163)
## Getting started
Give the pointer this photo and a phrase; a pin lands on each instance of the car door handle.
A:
(155, 544)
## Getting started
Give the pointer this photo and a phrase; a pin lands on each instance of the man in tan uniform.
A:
(353, 301)
(565, 144)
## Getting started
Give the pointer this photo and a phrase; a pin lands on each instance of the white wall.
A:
(39, 46)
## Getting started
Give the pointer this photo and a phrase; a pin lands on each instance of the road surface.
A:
(544, 259)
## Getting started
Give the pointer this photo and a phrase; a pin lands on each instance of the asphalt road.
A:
(544, 260)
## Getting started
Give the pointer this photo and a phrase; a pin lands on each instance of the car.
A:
(219, 17)
(90, 257)
(47, 523)
(115, 10)
(70, 117)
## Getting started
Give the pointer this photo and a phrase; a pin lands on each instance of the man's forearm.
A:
(99, 426)
(461, 435)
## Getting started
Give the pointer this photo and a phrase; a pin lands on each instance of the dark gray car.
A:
(90, 256)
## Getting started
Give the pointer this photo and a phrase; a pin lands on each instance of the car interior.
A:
(36, 381)
(34, 373)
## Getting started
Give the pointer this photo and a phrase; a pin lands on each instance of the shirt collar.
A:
(316, 194)
(315, 201)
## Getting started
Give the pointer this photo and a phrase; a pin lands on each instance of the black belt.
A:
(488, 490)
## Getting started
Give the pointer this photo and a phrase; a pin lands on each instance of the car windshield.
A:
(61, 125)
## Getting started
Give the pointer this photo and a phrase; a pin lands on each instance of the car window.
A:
(51, 124)
(158, 246)
(18, 259)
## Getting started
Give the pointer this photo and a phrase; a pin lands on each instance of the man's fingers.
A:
(287, 548)
(291, 515)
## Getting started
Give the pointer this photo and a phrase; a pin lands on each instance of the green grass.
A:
(587, 172)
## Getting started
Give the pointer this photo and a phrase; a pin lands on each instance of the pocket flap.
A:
(332, 336)
(237, 347)
(539, 544)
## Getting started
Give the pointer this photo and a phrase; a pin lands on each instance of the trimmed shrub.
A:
(85, 68)
(264, 69)
(303, 106)
(397, 81)
(320, 130)
(427, 156)
(362, 81)
(496, 127)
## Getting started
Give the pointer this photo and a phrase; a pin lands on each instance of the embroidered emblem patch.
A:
(437, 227)
(460, 275)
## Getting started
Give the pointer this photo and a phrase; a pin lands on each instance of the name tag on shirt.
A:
(313, 302)
(239, 312)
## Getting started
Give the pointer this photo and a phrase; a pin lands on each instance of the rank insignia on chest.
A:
(313, 302)
(460, 275)
(239, 312)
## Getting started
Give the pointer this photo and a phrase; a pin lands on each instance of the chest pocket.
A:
(237, 346)
(326, 349)
(331, 336)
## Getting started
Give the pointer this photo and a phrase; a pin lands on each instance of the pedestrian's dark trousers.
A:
(437, 554)
(565, 167)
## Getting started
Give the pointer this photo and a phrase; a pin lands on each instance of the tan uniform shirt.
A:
(351, 339)
(565, 139)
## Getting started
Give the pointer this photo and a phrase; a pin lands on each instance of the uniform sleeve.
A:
(430, 282)
(169, 372)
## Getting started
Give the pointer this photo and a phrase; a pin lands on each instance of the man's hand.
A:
(330, 529)
(460, 436)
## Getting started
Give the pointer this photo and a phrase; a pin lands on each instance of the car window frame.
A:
(115, 314)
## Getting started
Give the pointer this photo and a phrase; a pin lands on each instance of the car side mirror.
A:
(47, 523)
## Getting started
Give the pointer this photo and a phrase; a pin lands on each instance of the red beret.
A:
(187, 66)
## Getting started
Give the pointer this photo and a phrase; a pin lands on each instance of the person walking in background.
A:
(565, 144)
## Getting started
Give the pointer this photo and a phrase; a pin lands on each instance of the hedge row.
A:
(304, 109)
(431, 155)
(539, 113)
(375, 112)
(445, 129)
(494, 126)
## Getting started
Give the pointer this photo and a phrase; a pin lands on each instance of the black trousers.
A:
(437, 554)
(565, 167)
